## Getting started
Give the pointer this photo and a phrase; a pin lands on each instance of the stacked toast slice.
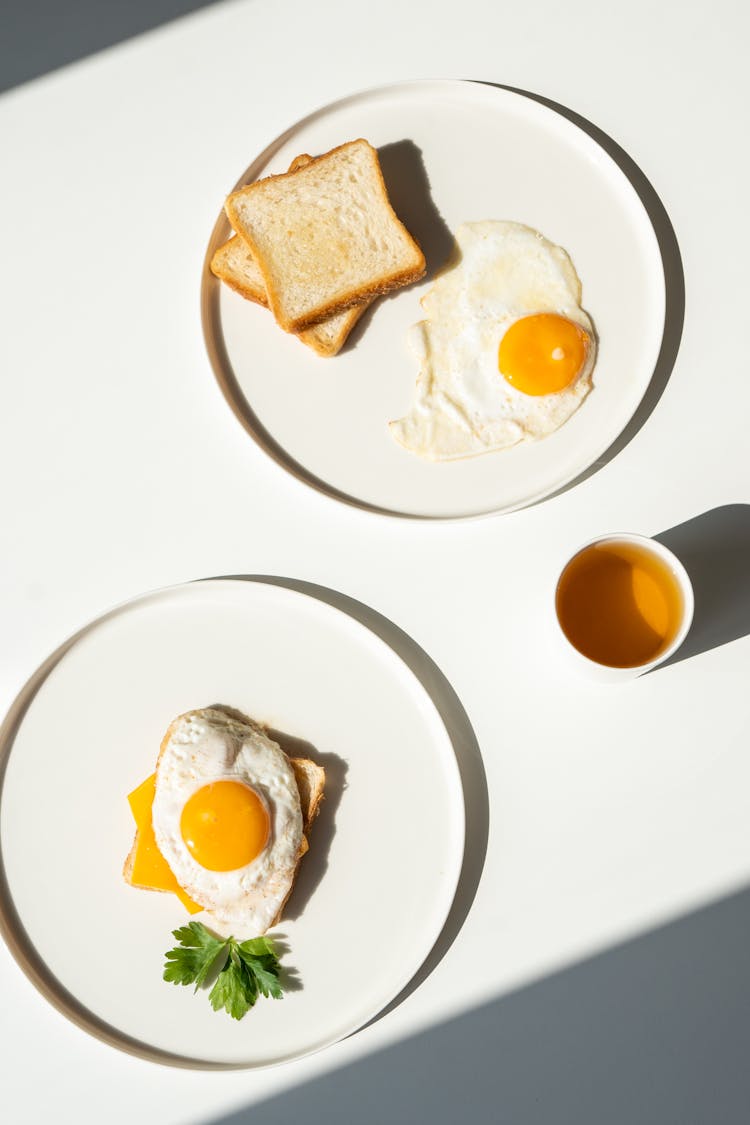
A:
(318, 244)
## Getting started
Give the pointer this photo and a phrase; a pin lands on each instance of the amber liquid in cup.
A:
(619, 604)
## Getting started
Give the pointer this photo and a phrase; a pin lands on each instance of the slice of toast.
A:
(311, 780)
(325, 236)
(234, 264)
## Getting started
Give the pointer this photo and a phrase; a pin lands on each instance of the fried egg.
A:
(505, 353)
(227, 818)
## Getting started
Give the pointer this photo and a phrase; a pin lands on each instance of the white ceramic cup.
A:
(611, 673)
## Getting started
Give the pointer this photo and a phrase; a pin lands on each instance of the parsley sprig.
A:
(248, 968)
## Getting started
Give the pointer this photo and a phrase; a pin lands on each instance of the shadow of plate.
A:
(463, 740)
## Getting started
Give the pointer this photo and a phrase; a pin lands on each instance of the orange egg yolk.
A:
(225, 825)
(543, 353)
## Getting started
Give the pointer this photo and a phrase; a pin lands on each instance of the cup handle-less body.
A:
(606, 673)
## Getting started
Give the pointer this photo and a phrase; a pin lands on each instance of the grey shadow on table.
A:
(410, 193)
(463, 740)
(714, 548)
(74, 30)
(674, 278)
(12, 930)
(315, 862)
(651, 1031)
(406, 178)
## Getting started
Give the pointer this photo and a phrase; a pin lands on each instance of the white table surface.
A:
(612, 809)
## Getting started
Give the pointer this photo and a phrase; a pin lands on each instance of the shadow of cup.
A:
(714, 548)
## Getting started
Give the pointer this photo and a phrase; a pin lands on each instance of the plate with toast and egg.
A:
(439, 299)
(231, 825)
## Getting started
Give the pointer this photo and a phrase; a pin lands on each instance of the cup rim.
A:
(648, 543)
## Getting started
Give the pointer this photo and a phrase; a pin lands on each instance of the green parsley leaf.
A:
(257, 946)
(234, 990)
(192, 960)
(263, 965)
(267, 980)
(251, 967)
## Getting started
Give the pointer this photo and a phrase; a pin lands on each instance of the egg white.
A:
(500, 272)
(210, 745)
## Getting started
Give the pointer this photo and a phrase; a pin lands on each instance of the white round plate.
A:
(452, 152)
(385, 853)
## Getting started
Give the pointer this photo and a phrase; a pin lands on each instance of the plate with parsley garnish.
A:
(151, 972)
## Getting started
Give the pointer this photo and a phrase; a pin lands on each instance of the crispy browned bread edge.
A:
(356, 297)
(260, 298)
(310, 338)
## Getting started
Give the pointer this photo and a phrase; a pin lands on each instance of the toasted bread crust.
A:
(310, 779)
(220, 266)
(365, 294)
(326, 337)
(220, 262)
(127, 867)
(378, 285)
(323, 342)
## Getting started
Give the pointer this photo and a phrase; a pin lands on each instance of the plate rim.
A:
(221, 367)
(31, 961)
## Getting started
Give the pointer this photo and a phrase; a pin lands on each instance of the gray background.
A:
(37, 36)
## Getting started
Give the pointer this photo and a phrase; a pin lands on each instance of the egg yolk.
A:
(543, 353)
(225, 825)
